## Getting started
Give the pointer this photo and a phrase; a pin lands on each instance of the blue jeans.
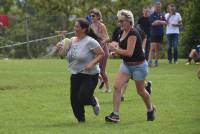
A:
(172, 41)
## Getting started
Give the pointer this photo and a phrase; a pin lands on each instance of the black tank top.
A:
(138, 54)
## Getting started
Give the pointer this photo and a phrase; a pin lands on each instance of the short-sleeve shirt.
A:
(142, 34)
(138, 54)
(157, 30)
(144, 24)
(174, 19)
(80, 54)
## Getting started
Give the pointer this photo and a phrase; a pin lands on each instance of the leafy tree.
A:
(191, 19)
(5, 5)
(47, 16)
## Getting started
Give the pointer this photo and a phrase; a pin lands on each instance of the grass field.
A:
(34, 99)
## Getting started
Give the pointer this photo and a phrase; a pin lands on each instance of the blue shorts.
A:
(137, 72)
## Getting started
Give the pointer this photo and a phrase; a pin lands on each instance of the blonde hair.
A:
(97, 12)
(127, 13)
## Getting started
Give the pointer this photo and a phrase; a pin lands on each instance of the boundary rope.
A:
(31, 41)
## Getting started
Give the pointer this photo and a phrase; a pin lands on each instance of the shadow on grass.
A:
(109, 102)
(7, 87)
(59, 125)
(92, 124)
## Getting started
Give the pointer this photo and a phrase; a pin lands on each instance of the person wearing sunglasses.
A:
(100, 29)
(133, 66)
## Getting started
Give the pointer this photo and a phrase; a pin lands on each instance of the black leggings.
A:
(82, 90)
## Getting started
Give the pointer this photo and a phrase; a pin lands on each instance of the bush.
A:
(190, 36)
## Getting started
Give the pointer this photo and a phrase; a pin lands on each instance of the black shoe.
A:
(122, 98)
(101, 85)
(148, 87)
(151, 115)
(81, 120)
(112, 118)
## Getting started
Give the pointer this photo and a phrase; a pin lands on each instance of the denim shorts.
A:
(137, 72)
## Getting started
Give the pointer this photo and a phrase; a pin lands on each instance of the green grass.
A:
(34, 99)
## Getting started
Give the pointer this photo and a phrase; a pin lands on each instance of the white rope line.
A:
(36, 40)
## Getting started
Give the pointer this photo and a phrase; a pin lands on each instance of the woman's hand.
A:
(113, 46)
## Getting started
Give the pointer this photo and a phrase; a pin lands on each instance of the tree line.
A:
(47, 16)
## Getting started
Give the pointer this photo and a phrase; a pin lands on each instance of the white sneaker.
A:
(96, 108)
(107, 90)
(103, 90)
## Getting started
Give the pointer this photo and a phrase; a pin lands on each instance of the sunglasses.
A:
(92, 15)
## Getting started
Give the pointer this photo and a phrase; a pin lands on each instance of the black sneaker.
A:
(148, 87)
(151, 115)
(112, 118)
(81, 121)
(101, 85)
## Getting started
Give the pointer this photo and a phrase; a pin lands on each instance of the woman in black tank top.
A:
(133, 66)
(138, 54)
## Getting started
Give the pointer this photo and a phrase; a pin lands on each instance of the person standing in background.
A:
(157, 21)
(174, 21)
(145, 25)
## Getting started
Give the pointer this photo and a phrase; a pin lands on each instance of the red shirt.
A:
(4, 21)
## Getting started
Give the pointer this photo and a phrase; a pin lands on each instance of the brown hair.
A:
(85, 24)
(145, 7)
(172, 5)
